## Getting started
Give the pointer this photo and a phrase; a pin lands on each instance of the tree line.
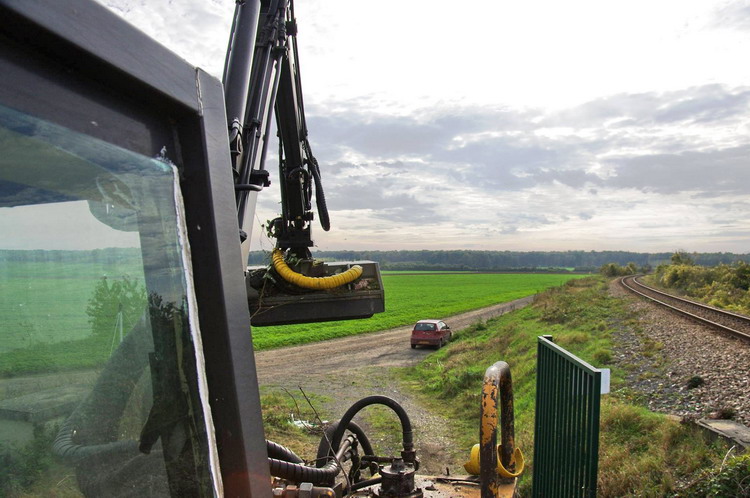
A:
(458, 260)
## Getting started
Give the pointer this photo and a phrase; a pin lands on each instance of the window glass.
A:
(425, 327)
(99, 385)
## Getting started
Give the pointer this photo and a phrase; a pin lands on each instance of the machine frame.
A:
(64, 62)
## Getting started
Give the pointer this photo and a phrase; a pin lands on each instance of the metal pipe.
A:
(496, 378)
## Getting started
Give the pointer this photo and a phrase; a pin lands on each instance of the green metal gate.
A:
(566, 437)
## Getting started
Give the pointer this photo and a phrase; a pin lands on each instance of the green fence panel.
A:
(566, 436)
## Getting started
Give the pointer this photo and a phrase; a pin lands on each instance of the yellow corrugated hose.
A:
(318, 283)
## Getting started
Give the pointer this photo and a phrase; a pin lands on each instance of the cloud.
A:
(625, 141)
(196, 30)
(575, 145)
(732, 15)
(707, 173)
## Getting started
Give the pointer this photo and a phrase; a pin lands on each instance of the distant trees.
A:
(681, 257)
(615, 270)
(587, 261)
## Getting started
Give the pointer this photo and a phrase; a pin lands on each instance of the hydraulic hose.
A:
(326, 452)
(363, 484)
(301, 473)
(317, 283)
(324, 476)
(65, 448)
(280, 452)
(407, 434)
(320, 198)
(91, 431)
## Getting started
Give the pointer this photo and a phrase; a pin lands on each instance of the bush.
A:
(21, 467)
(732, 479)
(695, 381)
(724, 286)
(114, 296)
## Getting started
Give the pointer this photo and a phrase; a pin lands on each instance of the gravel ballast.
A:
(663, 354)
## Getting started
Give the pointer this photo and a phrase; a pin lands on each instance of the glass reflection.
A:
(98, 379)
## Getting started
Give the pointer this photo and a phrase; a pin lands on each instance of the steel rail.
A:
(630, 283)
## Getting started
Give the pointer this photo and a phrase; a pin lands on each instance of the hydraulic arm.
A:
(262, 80)
(262, 77)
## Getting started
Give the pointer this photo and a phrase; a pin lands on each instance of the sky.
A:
(488, 125)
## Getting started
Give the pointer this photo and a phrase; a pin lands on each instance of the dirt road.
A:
(389, 348)
(345, 370)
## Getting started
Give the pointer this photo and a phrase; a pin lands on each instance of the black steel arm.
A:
(273, 84)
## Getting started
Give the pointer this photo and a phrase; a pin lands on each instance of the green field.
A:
(45, 302)
(46, 328)
(410, 297)
(44, 323)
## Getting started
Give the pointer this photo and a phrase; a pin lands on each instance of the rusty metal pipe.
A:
(496, 378)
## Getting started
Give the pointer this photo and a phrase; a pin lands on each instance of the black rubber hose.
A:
(65, 448)
(324, 476)
(300, 473)
(407, 434)
(90, 430)
(280, 452)
(320, 197)
(326, 452)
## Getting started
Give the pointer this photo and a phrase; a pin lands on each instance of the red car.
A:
(430, 333)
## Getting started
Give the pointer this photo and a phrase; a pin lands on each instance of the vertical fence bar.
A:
(566, 441)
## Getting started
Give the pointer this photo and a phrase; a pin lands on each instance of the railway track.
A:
(732, 323)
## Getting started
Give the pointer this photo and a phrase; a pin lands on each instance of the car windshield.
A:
(425, 326)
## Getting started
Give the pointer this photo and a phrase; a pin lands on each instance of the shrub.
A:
(114, 296)
(732, 479)
(695, 381)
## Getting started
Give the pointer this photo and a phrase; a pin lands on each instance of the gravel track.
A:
(682, 349)
(348, 369)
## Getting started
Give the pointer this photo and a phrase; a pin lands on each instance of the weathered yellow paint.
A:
(473, 467)
(489, 412)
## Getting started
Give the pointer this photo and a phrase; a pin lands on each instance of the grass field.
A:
(44, 303)
(410, 297)
(43, 316)
(45, 326)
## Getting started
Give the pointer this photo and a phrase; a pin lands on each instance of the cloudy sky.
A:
(534, 125)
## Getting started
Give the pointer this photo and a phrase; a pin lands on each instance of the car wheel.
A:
(414, 346)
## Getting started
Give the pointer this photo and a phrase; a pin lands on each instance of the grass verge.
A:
(641, 453)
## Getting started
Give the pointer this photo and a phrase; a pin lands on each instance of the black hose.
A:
(324, 476)
(301, 473)
(91, 429)
(320, 197)
(65, 448)
(407, 434)
(280, 452)
(326, 451)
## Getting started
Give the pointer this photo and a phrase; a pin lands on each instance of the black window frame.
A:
(78, 65)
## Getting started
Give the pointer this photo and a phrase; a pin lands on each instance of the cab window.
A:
(100, 384)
